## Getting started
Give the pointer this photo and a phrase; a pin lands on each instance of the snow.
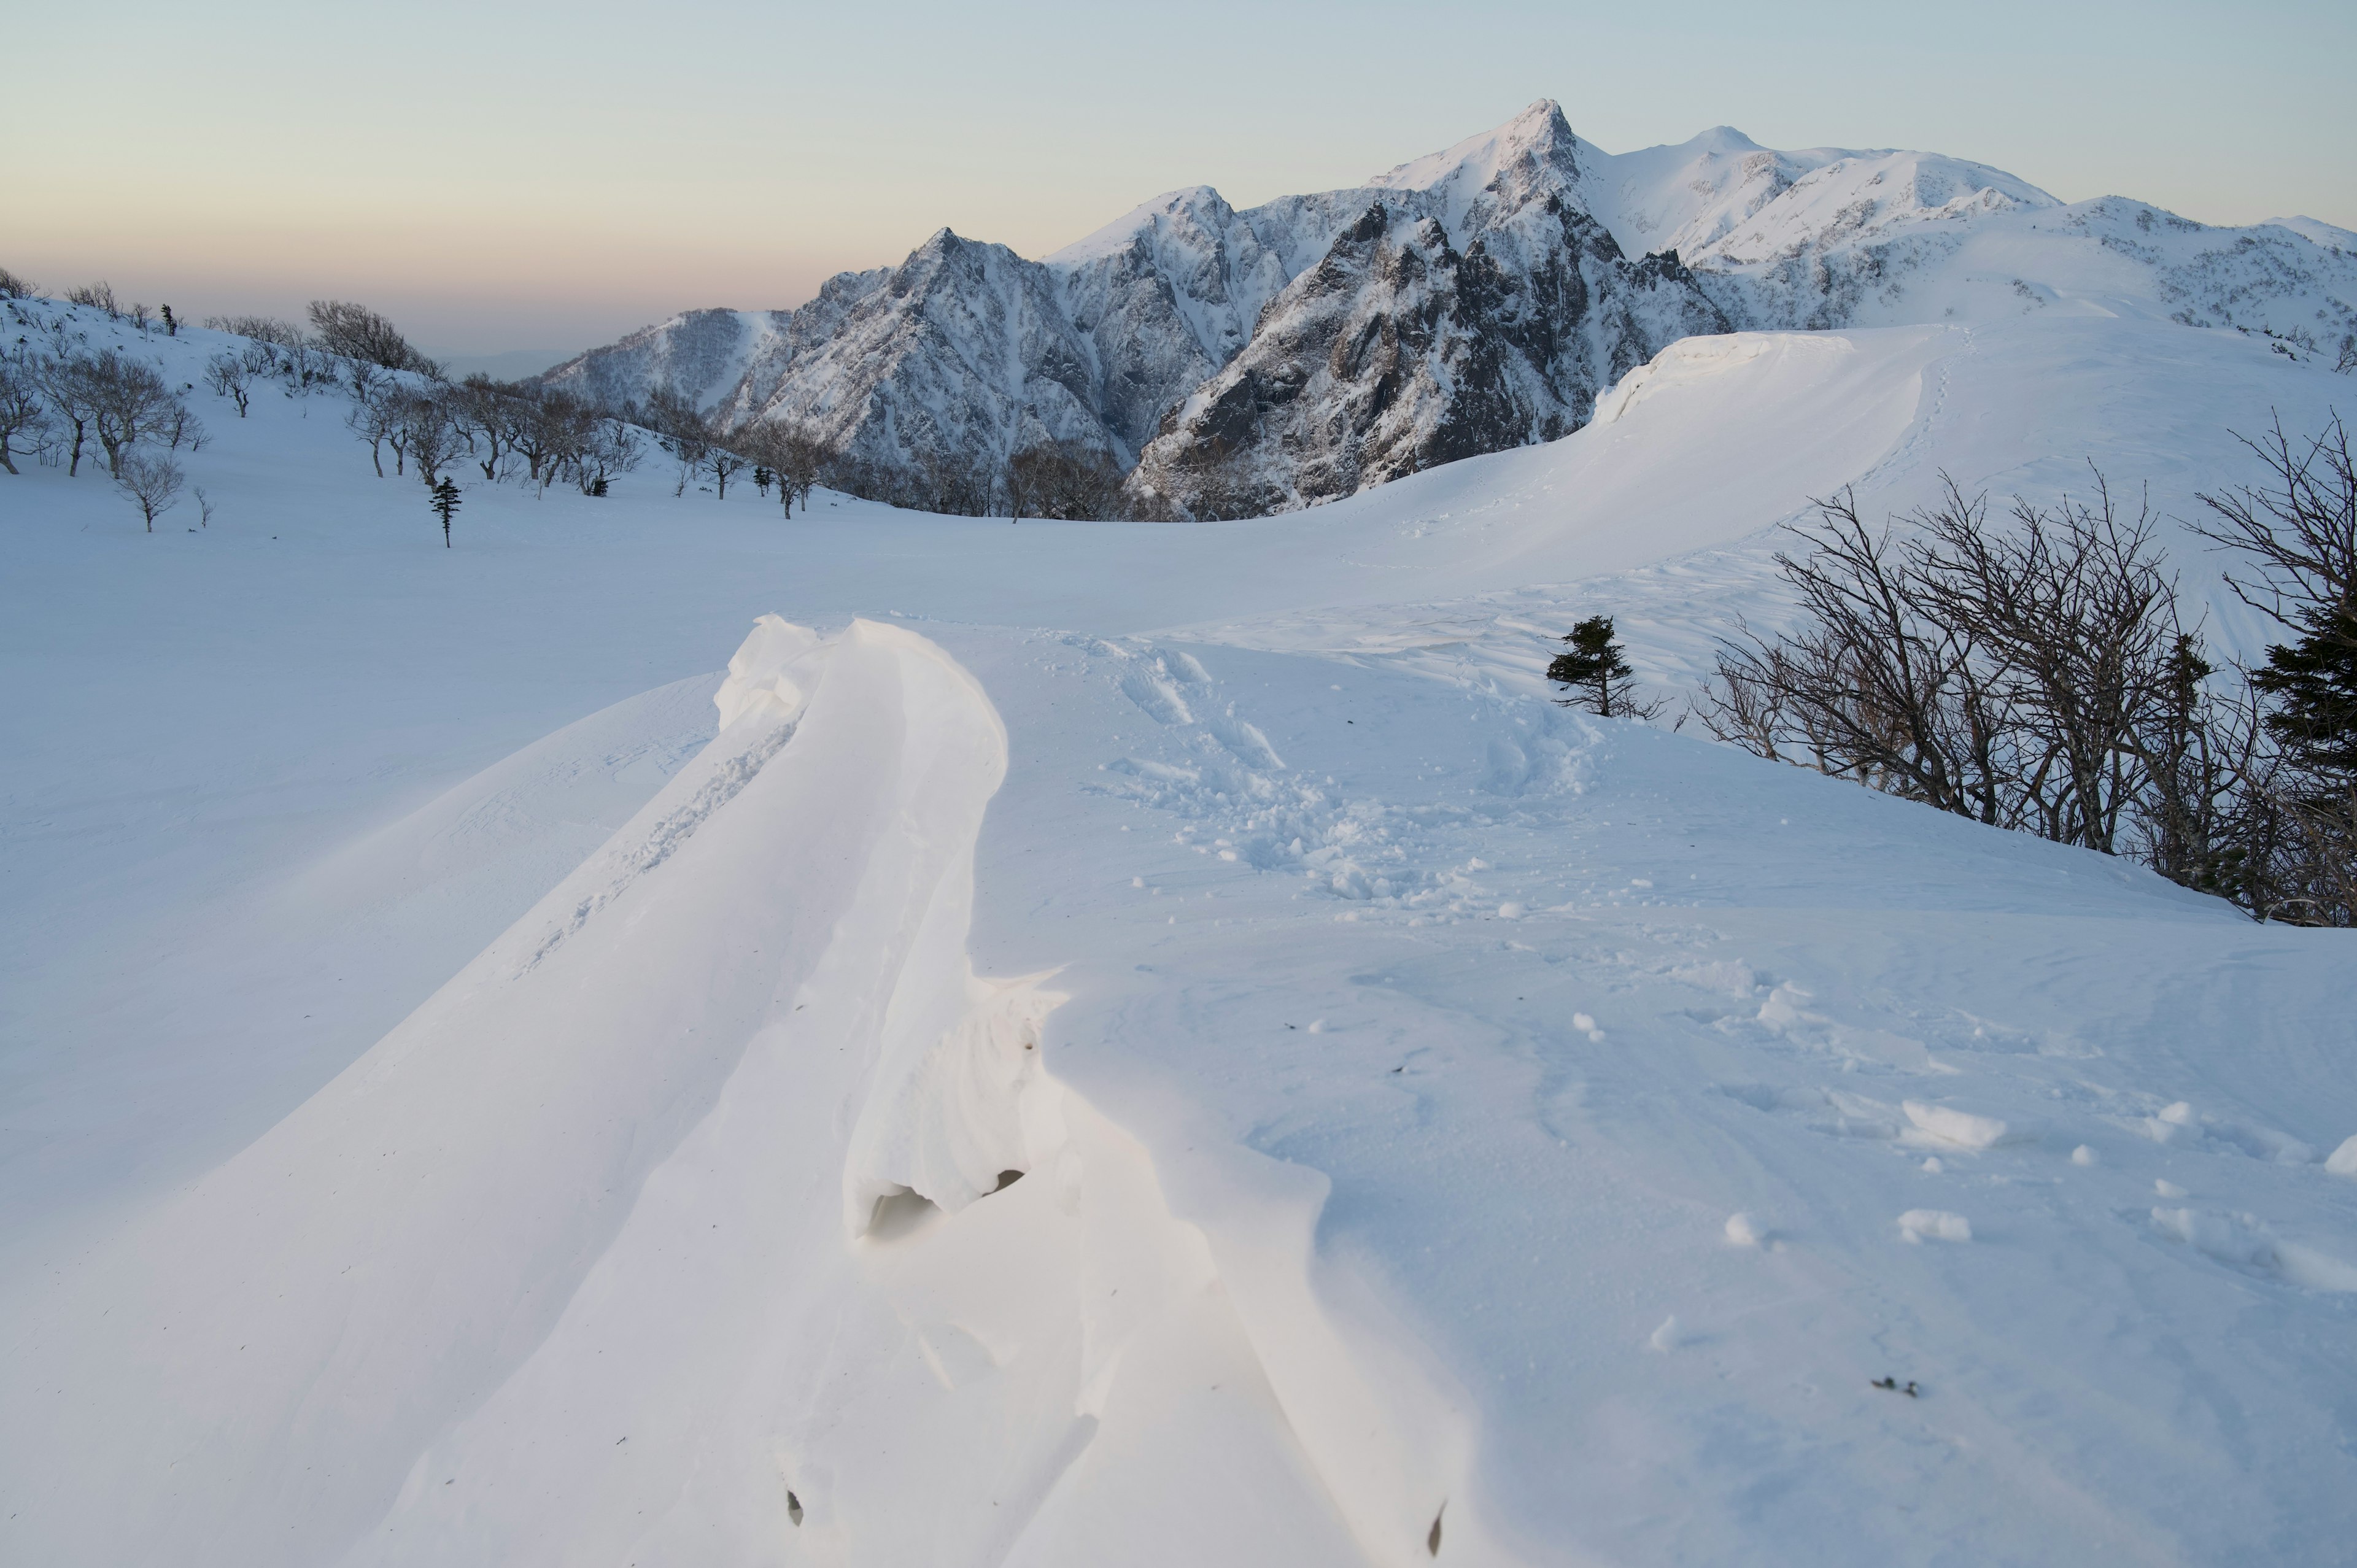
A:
(1121, 341)
(483, 1084)
(1937, 1224)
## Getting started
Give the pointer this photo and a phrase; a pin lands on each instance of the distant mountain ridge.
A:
(1246, 360)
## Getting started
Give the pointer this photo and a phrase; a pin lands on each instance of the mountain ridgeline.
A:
(1233, 363)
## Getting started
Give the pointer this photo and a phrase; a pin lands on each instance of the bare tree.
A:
(800, 459)
(12, 286)
(427, 434)
(23, 417)
(2298, 531)
(152, 481)
(1064, 480)
(260, 329)
(2072, 620)
(378, 417)
(128, 401)
(489, 419)
(228, 375)
(606, 447)
(70, 385)
(680, 429)
(356, 332)
(1872, 688)
(2034, 677)
(181, 426)
(97, 295)
(722, 464)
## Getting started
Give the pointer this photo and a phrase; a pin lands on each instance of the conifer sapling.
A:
(1596, 672)
(445, 502)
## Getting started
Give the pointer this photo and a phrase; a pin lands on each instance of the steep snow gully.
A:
(612, 1120)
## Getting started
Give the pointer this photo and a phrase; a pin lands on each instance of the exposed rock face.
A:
(1476, 299)
(1399, 349)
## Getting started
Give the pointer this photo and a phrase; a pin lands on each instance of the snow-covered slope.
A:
(451, 1060)
(1467, 302)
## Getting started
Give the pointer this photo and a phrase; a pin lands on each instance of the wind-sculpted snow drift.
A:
(757, 989)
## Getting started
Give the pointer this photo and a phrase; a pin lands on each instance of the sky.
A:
(508, 177)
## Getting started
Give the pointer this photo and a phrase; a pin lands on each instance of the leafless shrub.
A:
(1064, 480)
(377, 417)
(24, 416)
(128, 402)
(12, 286)
(428, 434)
(488, 418)
(260, 329)
(70, 385)
(793, 453)
(228, 375)
(2034, 676)
(152, 481)
(607, 449)
(356, 332)
(97, 295)
(680, 429)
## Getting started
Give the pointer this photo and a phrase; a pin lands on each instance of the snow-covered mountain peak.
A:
(1195, 209)
(1485, 177)
(1318, 343)
(2316, 230)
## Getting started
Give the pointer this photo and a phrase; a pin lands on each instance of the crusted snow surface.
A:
(1126, 1045)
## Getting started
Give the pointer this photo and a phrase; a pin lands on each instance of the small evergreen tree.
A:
(445, 502)
(761, 480)
(1596, 673)
(2314, 684)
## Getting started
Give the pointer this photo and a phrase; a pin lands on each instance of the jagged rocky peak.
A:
(1476, 298)
(1486, 178)
(1400, 350)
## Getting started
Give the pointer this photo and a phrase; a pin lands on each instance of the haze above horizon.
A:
(531, 176)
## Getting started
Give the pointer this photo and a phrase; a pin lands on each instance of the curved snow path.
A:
(566, 1245)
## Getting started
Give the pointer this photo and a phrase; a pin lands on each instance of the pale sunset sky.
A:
(510, 175)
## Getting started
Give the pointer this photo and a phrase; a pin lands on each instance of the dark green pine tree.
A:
(445, 503)
(1593, 668)
(762, 481)
(2314, 684)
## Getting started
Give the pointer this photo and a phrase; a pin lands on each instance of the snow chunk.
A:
(1667, 1336)
(2344, 1160)
(757, 684)
(1743, 1231)
(1940, 1123)
(2083, 1156)
(1936, 1223)
(2243, 1242)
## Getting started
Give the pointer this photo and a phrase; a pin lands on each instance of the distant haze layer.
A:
(504, 179)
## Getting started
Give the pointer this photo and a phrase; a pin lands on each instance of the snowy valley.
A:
(670, 1032)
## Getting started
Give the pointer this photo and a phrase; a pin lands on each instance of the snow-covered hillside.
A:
(464, 1050)
(1474, 300)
